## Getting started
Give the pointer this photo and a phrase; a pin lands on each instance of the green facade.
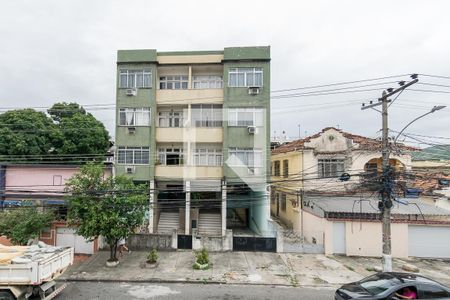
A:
(234, 97)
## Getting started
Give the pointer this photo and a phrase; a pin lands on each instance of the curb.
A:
(216, 282)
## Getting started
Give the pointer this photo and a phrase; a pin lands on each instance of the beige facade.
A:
(362, 238)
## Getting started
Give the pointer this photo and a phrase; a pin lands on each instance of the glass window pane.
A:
(123, 80)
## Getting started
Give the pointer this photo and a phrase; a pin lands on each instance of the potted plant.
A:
(201, 260)
(152, 257)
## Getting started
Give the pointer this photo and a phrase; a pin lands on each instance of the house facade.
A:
(42, 186)
(195, 127)
(330, 162)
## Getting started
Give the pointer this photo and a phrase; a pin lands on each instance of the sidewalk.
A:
(306, 270)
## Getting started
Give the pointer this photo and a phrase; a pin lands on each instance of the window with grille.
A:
(331, 167)
(276, 168)
(176, 82)
(285, 168)
(245, 77)
(134, 116)
(133, 155)
(135, 78)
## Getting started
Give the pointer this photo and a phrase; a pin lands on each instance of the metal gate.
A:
(184, 241)
(250, 243)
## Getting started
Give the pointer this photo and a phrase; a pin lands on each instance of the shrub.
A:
(152, 256)
(202, 257)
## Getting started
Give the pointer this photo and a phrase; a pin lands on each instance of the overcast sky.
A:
(66, 51)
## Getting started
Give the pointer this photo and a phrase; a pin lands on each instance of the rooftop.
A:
(370, 206)
(364, 143)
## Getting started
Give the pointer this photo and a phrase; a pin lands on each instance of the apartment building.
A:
(195, 126)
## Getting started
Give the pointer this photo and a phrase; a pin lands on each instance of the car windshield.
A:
(379, 283)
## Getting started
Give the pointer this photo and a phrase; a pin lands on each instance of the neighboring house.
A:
(195, 125)
(330, 162)
(434, 159)
(351, 226)
(42, 185)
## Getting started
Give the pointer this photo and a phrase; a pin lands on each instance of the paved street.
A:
(92, 290)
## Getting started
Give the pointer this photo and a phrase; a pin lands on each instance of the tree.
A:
(23, 224)
(27, 135)
(26, 132)
(108, 207)
(81, 132)
(65, 110)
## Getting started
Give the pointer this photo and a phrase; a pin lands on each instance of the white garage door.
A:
(66, 237)
(339, 238)
(429, 241)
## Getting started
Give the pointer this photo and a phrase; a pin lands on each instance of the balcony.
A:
(189, 96)
(189, 134)
(188, 172)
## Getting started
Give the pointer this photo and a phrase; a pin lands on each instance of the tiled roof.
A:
(370, 206)
(364, 143)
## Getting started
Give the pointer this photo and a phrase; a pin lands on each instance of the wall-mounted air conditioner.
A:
(251, 129)
(130, 92)
(131, 130)
(253, 90)
(130, 169)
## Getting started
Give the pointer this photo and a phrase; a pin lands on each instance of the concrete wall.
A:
(213, 243)
(362, 238)
(146, 242)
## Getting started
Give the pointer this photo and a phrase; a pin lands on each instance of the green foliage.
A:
(26, 132)
(152, 257)
(202, 257)
(24, 223)
(81, 132)
(69, 130)
(63, 110)
(108, 207)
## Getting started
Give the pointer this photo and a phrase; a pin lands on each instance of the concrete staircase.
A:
(209, 224)
(168, 221)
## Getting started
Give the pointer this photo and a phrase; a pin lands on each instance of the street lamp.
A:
(435, 108)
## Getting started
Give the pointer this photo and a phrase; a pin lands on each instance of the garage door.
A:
(66, 237)
(339, 238)
(429, 241)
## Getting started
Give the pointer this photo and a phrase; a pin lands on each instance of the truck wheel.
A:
(5, 295)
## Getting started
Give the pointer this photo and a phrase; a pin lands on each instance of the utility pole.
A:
(386, 190)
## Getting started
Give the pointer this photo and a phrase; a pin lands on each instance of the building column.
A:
(187, 216)
(224, 207)
(151, 204)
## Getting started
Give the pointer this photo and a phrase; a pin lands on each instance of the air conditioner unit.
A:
(131, 130)
(251, 129)
(130, 169)
(253, 90)
(130, 92)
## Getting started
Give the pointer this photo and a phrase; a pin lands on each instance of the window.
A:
(245, 116)
(285, 168)
(134, 116)
(207, 157)
(207, 82)
(330, 167)
(276, 168)
(379, 283)
(207, 115)
(177, 82)
(247, 156)
(171, 156)
(245, 77)
(172, 118)
(133, 155)
(283, 202)
(433, 292)
(135, 78)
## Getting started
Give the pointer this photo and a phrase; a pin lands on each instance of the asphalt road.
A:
(109, 291)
